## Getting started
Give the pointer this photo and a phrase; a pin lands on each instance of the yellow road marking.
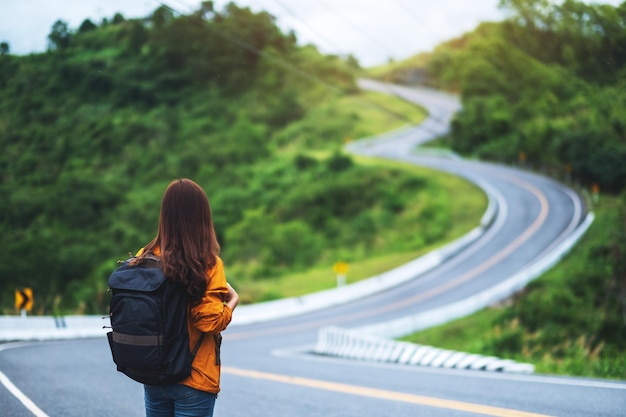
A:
(382, 394)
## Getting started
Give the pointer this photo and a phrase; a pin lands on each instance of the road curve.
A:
(269, 370)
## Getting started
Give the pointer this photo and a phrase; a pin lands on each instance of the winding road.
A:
(268, 367)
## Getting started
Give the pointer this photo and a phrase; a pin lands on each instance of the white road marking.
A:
(31, 406)
(15, 391)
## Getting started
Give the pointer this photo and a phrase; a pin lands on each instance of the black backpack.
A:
(149, 340)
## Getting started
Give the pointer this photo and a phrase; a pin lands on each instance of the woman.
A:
(188, 248)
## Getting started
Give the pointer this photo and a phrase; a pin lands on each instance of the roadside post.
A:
(595, 192)
(341, 269)
(24, 300)
(568, 173)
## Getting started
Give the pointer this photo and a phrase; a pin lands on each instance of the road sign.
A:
(24, 299)
(340, 268)
(595, 192)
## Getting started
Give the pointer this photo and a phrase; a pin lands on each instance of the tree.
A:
(528, 13)
(138, 36)
(162, 16)
(60, 36)
(118, 18)
(4, 48)
(353, 62)
(86, 26)
(206, 7)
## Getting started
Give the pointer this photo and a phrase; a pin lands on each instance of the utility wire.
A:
(387, 88)
(254, 50)
(354, 27)
(290, 67)
(311, 30)
(419, 21)
(375, 40)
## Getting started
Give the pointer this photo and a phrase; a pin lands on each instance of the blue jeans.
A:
(178, 400)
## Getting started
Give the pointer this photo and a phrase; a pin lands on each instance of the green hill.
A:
(546, 87)
(94, 129)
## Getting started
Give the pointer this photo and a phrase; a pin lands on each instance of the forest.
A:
(94, 129)
(545, 87)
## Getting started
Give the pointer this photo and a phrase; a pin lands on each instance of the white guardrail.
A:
(14, 328)
(355, 344)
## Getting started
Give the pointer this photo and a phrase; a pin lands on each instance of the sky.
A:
(374, 31)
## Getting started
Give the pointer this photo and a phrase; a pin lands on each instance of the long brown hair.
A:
(186, 237)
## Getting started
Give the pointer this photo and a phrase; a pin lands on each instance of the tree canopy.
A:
(547, 85)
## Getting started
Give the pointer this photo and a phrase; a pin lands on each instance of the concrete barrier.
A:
(357, 345)
(16, 328)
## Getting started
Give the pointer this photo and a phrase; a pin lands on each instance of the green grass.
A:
(379, 113)
(327, 127)
(322, 277)
(388, 69)
(461, 214)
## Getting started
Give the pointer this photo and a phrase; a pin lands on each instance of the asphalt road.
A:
(268, 368)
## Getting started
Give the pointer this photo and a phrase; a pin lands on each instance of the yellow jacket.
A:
(210, 316)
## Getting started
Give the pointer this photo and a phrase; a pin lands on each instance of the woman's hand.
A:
(233, 298)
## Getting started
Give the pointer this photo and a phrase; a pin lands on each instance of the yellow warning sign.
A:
(340, 268)
(24, 299)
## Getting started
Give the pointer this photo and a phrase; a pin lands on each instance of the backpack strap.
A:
(198, 343)
(150, 257)
(151, 260)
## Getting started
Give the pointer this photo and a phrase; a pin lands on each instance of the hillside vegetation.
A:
(93, 130)
(546, 89)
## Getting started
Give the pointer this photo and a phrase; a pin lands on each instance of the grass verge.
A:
(460, 205)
